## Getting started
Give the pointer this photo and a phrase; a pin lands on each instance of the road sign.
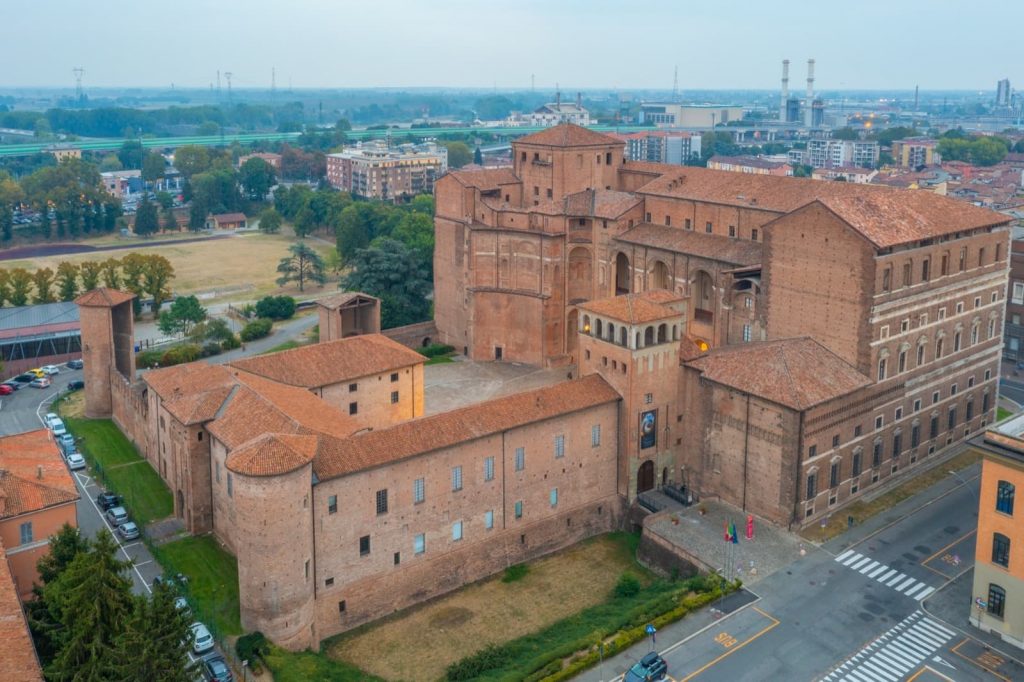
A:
(650, 629)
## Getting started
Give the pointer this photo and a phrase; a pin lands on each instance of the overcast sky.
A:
(884, 44)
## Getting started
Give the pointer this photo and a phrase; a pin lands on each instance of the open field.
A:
(212, 580)
(488, 612)
(862, 510)
(238, 268)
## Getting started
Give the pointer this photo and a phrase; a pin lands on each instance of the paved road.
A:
(852, 613)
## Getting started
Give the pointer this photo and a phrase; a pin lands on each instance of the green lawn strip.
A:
(307, 665)
(212, 580)
(287, 345)
(438, 360)
(1002, 413)
(108, 451)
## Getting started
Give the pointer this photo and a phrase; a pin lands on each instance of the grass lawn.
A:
(863, 510)
(212, 580)
(438, 360)
(233, 269)
(490, 612)
(1002, 413)
(128, 474)
(306, 665)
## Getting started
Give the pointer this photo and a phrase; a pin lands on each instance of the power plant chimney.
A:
(785, 90)
(809, 108)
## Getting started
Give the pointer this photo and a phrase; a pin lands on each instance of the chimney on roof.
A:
(785, 90)
(39, 472)
(579, 100)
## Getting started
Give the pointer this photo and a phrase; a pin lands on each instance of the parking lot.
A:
(25, 410)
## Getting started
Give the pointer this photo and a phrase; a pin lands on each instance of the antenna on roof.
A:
(675, 85)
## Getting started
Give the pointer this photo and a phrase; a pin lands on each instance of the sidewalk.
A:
(952, 603)
(680, 631)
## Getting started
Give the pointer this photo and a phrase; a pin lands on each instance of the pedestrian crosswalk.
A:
(890, 577)
(896, 654)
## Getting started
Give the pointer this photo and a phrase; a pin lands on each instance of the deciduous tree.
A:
(257, 177)
(67, 281)
(43, 281)
(147, 221)
(5, 286)
(270, 221)
(191, 160)
(21, 285)
(153, 167)
(90, 271)
(111, 269)
(394, 273)
(183, 315)
(157, 274)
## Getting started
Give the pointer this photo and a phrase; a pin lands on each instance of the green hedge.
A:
(436, 349)
(256, 329)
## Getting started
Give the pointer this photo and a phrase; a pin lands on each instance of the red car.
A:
(6, 389)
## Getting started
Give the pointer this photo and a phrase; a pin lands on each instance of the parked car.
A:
(75, 364)
(216, 669)
(182, 605)
(25, 379)
(202, 640)
(7, 389)
(76, 385)
(117, 515)
(175, 581)
(58, 428)
(128, 530)
(40, 382)
(50, 418)
(107, 501)
(38, 372)
(76, 461)
(50, 369)
(650, 667)
(66, 443)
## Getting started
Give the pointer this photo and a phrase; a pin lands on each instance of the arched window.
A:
(1004, 497)
(975, 328)
(902, 364)
(881, 369)
(956, 341)
(920, 354)
(611, 332)
(662, 333)
(991, 328)
(1001, 550)
(586, 324)
(938, 349)
(649, 336)
(598, 329)
(623, 336)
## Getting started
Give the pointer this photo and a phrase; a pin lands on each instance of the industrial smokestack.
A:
(785, 90)
(809, 107)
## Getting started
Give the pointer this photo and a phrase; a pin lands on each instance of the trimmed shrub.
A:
(147, 359)
(515, 572)
(256, 329)
(472, 667)
(276, 307)
(210, 348)
(231, 343)
(436, 349)
(627, 586)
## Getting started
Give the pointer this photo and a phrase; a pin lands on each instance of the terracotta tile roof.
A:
(884, 215)
(197, 408)
(332, 362)
(229, 217)
(751, 161)
(247, 414)
(272, 454)
(568, 135)
(338, 300)
(188, 379)
(798, 373)
(23, 457)
(601, 203)
(426, 434)
(19, 662)
(485, 178)
(104, 297)
(689, 349)
(631, 308)
(710, 246)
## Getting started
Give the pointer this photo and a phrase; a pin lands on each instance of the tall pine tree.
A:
(156, 640)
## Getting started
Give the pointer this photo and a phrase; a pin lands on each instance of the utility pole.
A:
(218, 84)
(675, 85)
(532, 82)
(228, 75)
(273, 83)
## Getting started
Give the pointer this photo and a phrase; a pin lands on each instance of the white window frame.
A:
(520, 459)
(456, 478)
(419, 543)
(419, 490)
(488, 520)
(553, 497)
(488, 469)
(595, 435)
(560, 446)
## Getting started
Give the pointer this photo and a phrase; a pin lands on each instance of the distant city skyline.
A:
(459, 43)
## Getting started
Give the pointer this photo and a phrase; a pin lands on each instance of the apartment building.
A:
(376, 171)
(829, 153)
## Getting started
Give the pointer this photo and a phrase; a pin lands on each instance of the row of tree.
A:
(143, 275)
(87, 624)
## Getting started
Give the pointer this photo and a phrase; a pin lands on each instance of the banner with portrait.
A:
(648, 429)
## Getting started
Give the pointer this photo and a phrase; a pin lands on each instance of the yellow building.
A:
(915, 153)
(999, 560)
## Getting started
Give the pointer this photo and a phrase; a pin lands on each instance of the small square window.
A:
(707, 227)
(899, 413)
(559, 446)
(398, 558)
(332, 504)
(489, 469)
(456, 531)
(879, 421)
(553, 497)
(394, 377)
(835, 441)
(382, 501)
(917, 405)
(418, 490)
(353, 408)
(352, 388)
(648, 398)
(488, 520)
(364, 545)
(341, 606)
(935, 397)
(328, 582)
(856, 431)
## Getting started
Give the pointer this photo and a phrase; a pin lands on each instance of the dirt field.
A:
(239, 268)
(491, 611)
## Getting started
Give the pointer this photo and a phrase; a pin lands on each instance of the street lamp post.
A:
(964, 483)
